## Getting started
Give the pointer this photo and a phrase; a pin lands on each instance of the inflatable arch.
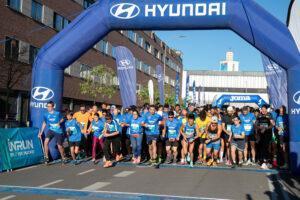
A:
(239, 99)
(245, 17)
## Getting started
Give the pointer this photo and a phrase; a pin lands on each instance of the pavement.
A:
(127, 181)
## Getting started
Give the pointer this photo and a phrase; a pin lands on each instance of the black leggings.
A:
(115, 141)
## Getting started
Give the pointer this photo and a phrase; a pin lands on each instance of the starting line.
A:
(92, 194)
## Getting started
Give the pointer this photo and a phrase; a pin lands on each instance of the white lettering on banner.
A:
(295, 111)
(240, 98)
(38, 105)
(20, 145)
(125, 64)
(177, 10)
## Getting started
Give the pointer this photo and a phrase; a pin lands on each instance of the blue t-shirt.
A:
(73, 127)
(190, 131)
(165, 115)
(135, 126)
(152, 122)
(97, 128)
(248, 123)
(282, 121)
(237, 130)
(112, 127)
(52, 120)
(173, 128)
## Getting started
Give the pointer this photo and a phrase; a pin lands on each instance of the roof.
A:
(225, 73)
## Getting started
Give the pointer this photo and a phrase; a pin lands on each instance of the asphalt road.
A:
(125, 181)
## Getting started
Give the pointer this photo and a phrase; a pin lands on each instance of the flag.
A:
(160, 80)
(177, 88)
(151, 92)
(127, 75)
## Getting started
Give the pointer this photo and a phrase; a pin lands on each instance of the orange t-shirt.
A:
(83, 119)
(91, 118)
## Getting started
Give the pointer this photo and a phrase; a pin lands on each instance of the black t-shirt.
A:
(227, 120)
(264, 121)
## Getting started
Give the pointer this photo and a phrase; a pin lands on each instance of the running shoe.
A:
(188, 158)
(64, 161)
(233, 165)
(264, 166)
(168, 160)
(46, 160)
(191, 164)
(210, 162)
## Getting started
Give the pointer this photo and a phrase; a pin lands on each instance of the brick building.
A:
(26, 25)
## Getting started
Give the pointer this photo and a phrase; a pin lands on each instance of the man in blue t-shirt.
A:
(171, 132)
(248, 120)
(152, 121)
(53, 119)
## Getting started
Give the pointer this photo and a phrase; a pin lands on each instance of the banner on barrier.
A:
(20, 147)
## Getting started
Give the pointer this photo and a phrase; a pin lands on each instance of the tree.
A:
(143, 94)
(98, 82)
(170, 96)
(13, 71)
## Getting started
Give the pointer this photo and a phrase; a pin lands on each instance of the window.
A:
(148, 47)
(113, 52)
(103, 46)
(14, 4)
(33, 51)
(11, 48)
(59, 22)
(36, 11)
(140, 41)
(132, 35)
(87, 3)
(156, 53)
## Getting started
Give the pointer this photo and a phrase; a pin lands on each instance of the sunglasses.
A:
(171, 116)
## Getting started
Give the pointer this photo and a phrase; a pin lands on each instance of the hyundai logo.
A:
(125, 63)
(296, 98)
(125, 10)
(273, 67)
(42, 93)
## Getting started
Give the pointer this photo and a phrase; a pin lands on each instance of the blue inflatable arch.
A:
(239, 99)
(244, 17)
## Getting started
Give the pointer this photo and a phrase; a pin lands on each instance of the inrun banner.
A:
(177, 88)
(20, 147)
(126, 75)
(277, 82)
(160, 80)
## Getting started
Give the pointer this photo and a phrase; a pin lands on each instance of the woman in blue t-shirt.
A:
(238, 141)
(135, 130)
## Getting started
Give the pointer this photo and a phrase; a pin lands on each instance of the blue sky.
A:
(202, 50)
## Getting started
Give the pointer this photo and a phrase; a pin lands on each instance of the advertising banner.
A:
(160, 79)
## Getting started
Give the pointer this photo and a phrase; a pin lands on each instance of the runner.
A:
(94, 111)
(74, 133)
(213, 142)
(282, 132)
(152, 121)
(238, 141)
(136, 136)
(172, 134)
(111, 134)
(227, 122)
(248, 121)
(202, 122)
(264, 124)
(53, 120)
(97, 128)
(189, 132)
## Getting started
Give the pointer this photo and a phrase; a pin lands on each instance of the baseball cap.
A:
(230, 109)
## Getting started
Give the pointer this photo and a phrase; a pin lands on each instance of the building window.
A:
(59, 22)
(148, 47)
(36, 11)
(156, 53)
(132, 36)
(113, 52)
(33, 51)
(87, 3)
(14, 4)
(11, 48)
(104, 46)
(140, 41)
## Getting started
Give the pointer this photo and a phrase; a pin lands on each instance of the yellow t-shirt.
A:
(202, 125)
(92, 116)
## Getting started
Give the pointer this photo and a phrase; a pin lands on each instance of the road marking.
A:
(8, 197)
(283, 188)
(96, 186)
(85, 172)
(23, 169)
(93, 194)
(124, 174)
(51, 183)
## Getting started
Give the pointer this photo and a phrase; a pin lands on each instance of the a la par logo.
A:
(125, 64)
(130, 10)
(240, 98)
(42, 93)
(125, 10)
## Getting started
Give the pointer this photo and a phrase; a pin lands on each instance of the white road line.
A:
(124, 174)
(8, 197)
(51, 183)
(271, 187)
(283, 188)
(85, 172)
(96, 186)
(23, 169)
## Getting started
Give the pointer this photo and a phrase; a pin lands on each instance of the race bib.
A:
(151, 127)
(135, 127)
(229, 127)
(172, 132)
(95, 128)
(248, 127)
(189, 132)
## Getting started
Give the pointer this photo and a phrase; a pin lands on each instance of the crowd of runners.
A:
(157, 134)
